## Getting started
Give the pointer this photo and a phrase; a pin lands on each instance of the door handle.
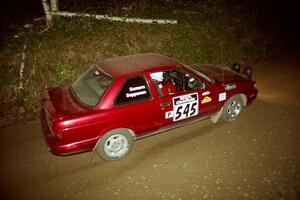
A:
(166, 103)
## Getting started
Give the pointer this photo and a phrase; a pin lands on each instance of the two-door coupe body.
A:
(123, 99)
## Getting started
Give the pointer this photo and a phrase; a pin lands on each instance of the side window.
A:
(173, 81)
(134, 90)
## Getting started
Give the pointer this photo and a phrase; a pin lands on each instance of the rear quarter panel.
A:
(87, 128)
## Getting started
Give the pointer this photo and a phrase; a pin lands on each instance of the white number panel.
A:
(185, 106)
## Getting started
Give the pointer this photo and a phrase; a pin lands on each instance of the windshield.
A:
(90, 87)
(200, 74)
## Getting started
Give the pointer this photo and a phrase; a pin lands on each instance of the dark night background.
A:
(281, 18)
(255, 157)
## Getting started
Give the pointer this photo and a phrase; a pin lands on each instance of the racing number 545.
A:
(185, 106)
(188, 111)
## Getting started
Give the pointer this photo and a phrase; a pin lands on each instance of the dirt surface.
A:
(254, 157)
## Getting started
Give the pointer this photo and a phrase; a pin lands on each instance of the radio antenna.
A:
(222, 77)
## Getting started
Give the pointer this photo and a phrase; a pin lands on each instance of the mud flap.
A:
(215, 117)
(93, 153)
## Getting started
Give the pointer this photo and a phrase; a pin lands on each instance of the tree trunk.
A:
(47, 12)
(54, 5)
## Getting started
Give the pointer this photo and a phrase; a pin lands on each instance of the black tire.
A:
(115, 144)
(232, 108)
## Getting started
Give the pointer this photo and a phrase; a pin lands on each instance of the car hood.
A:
(215, 72)
(60, 101)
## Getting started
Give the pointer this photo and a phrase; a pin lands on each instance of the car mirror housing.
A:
(203, 85)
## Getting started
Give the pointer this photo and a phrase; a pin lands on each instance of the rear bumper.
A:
(50, 138)
(55, 147)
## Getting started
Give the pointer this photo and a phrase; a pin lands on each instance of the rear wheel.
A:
(115, 144)
(232, 108)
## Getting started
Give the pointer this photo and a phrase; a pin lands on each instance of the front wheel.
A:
(115, 144)
(232, 108)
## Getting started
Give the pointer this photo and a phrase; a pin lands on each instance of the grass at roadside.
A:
(58, 56)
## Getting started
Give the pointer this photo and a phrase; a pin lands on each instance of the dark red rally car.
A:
(123, 99)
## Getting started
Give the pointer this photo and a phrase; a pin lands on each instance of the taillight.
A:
(57, 132)
(54, 130)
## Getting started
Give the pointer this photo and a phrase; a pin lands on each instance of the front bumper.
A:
(251, 95)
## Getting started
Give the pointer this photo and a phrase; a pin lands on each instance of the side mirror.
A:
(203, 85)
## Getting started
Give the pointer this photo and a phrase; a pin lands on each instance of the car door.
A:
(135, 106)
(191, 100)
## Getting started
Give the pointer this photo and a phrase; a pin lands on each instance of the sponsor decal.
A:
(134, 91)
(222, 96)
(185, 106)
(230, 86)
(205, 93)
(135, 94)
(206, 99)
(169, 114)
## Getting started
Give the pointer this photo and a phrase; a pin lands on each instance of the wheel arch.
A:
(216, 116)
(120, 129)
(123, 129)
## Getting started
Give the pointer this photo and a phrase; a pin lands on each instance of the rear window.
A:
(134, 89)
(90, 87)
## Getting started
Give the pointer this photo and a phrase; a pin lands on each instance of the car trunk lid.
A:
(59, 103)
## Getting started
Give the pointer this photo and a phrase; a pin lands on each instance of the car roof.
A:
(134, 63)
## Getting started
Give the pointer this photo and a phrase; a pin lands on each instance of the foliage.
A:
(61, 54)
